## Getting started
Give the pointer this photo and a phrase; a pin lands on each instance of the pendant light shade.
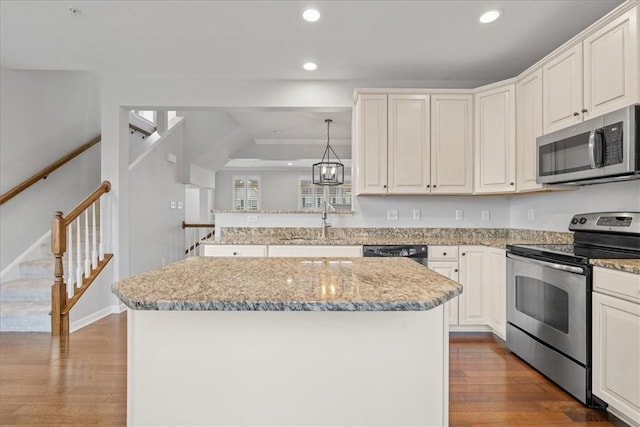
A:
(328, 171)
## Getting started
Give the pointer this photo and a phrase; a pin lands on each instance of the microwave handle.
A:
(595, 149)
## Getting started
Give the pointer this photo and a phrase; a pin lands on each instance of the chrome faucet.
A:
(324, 225)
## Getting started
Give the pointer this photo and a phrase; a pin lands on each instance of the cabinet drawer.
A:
(443, 253)
(617, 283)
(236, 250)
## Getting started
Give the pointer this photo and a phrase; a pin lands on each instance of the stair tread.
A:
(25, 316)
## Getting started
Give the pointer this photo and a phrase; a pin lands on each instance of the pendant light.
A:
(327, 171)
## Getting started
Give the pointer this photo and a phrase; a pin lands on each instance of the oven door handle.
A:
(562, 267)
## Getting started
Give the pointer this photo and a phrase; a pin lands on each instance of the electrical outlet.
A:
(252, 218)
(392, 215)
(180, 205)
(459, 214)
(173, 204)
(530, 215)
(416, 214)
(485, 215)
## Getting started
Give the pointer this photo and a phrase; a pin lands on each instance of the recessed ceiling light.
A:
(310, 66)
(490, 16)
(289, 164)
(311, 15)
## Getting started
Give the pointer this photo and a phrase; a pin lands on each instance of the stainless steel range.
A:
(549, 297)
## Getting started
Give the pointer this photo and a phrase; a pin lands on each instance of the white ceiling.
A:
(375, 40)
(365, 40)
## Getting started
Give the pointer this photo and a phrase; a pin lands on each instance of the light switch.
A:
(416, 214)
(173, 204)
(459, 214)
(180, 205)
(530, 215)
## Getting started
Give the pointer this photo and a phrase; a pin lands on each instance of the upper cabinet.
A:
(408, 145)
(370, 129)
(495, 143)
(594, 76)
(413, 143)
(529, 127)
(451, 144)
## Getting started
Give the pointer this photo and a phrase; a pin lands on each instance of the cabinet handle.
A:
(429, 186)
(384, 186)
(464, 253)
(455, 270)
(584, 110)
(576, 114)
(434, 186)
(511, 183)
(235, 253)
(444, 254)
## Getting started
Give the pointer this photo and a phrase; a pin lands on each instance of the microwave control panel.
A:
(612, 135)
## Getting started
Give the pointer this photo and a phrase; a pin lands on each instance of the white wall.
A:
(156, 235)
(553, 211)
(44, 115)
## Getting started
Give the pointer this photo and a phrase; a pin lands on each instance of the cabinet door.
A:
(409, 144)
(370, 128)
(562, 94)
(472, 301)
(235, 250)
(529, 126)
(616, 352)
(451, 149)
(611, 66)
(495, 144)
(450, 270)
(496, 285)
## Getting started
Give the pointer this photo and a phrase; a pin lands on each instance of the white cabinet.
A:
(236, 250)
(451, 144)
(562, 95)
(408, 150)
(529, 127)
(594, 76)
(616, 342)
(370, 128)
(444, 260)
(495, 144)
(611, 65)
(314, 251)
(496, 285)
(472, 301)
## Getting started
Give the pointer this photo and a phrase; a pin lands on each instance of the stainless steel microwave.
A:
(602, 149)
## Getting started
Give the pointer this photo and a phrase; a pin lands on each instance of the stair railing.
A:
(44, 173)
(79, 234)
(194, 234)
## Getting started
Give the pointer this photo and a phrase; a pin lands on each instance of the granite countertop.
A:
(288, 284)
(498, 238)
(628, 265)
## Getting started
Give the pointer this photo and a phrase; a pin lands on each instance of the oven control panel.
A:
(622, 222)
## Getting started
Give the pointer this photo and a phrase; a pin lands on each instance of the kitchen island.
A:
(288, 341)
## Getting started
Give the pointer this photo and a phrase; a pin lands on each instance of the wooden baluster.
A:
(87, 254)
(94, 252)
(59, 323)
(100, 246)
(70, 271)
(78, 256)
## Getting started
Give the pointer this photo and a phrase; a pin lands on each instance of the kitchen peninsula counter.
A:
(288, 341)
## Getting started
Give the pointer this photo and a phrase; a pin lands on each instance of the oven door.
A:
(549, 302)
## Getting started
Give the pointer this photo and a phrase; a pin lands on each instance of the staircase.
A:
(25, 303)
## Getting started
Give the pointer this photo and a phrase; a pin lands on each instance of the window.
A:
(246, 193)
(311, 197)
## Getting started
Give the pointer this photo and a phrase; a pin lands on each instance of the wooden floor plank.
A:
(82, 381)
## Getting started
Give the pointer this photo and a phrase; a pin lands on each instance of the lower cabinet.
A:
(616, 342)
(496, 285)
(236, 250)
(473, 300)
(448, 269)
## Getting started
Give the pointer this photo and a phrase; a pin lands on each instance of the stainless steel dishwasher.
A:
(416, 252)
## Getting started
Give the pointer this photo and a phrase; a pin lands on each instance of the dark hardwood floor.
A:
(82, 381)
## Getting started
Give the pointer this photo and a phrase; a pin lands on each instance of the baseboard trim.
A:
(87, 320)
(623, 417)
(11, 272)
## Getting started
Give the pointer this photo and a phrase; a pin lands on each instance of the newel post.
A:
(59, 323)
